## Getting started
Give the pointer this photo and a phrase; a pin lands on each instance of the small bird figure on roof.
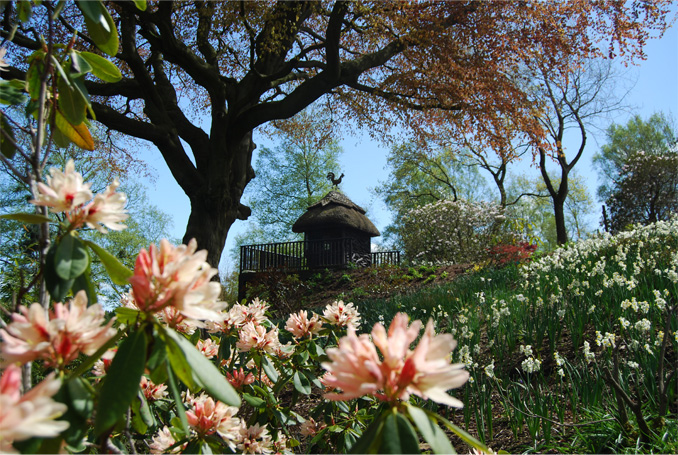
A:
(334, 181)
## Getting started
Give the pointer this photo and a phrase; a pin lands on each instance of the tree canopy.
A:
(656, 135)
(235, 66)
(291, 176)
(646, 190)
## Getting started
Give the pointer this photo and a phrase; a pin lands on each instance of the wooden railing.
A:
(306, 255)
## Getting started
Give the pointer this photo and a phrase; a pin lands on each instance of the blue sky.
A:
(364, 159)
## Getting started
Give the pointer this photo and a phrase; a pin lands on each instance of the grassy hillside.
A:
(574, 352)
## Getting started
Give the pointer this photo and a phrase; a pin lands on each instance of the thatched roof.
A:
(335, 209)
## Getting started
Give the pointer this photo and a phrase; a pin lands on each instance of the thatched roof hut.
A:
(334, 216)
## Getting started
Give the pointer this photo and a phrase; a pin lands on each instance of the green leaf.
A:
(79, 65)
(467, 438)
(301, 383)
(71, 258)
(100, 26)
(126, 315)
(140, 4)
(34, 74)
(195, 370)
(84, 283)
(60, 69)
(72, 104)
(81, 397)
(255, 402)
(370, 440)
(138, 424)
(59, 139)
(121, 384)
(158, 355)
(101, 67)
(400, 436)
(145, 411)
(10, 94)
(56, 286)
(78, 134)
(430, 430)
(116, 270)
(31, 218)
(176, 395)
(7, 138)
(269, 369)
(25, 10)
(78, 395)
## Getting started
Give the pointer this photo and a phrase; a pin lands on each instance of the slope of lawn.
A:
(574, 352)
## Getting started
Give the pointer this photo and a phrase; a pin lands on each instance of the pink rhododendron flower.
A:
(152, 391)
(255, 439)
(342, 314)
(254, 312)
(239, 315)
(63, 191)
(208, 417)
(71, 329)
(310, 427)
(174, 319)
(256, 337)
(107, 209)
(179, 277)
(102, 365)
(163, 441)
(208, 348)
(238, 379)
(300, 326)
(34, 414)
(357, 369)
(66, 192)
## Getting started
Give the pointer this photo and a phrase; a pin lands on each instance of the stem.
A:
(661, 384)
(36, 172)
(645, 433)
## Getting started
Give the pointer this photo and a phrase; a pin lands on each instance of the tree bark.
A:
(215, 205)
(559, 213)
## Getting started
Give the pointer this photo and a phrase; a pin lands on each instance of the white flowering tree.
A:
(451, 231)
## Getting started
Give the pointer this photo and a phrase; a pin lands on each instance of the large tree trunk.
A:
(215, 206)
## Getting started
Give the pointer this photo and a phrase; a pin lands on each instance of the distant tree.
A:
(646, 190)
(656, 135)
(420, 175)
(575, 101)
(291, 176)
(533, 214)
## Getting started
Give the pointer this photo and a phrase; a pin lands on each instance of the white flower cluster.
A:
(450, 231)
(588, 355)
(606, 341)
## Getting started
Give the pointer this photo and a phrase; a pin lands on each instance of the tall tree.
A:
(656, 135)
(249, 63)
(293, 175)
(533, 214)
(575, 102)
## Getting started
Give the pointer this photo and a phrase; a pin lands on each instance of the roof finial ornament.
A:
(335, 181)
